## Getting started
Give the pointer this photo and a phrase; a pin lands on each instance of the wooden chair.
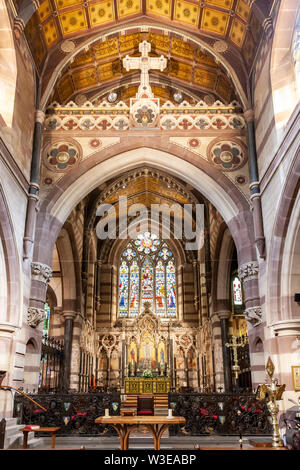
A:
(145, 406)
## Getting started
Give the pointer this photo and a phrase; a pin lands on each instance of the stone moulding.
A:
(35, 316)
(41, 272)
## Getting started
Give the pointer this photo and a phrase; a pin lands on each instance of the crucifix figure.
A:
(145, 63)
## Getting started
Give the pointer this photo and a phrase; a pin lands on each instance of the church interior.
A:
(150, 114)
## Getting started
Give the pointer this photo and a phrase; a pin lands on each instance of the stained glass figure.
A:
(237, 291)
(147, 281)
(171, 292)
(160, 288)
(134, 289)
(123, 289)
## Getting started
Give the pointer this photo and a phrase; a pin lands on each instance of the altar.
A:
(141, 385)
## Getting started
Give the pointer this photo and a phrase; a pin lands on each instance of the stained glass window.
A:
(147, 274)
(46, 319)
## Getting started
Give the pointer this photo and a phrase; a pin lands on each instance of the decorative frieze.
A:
(248, 271)
(35, 316)
(41, 272)
(253, 315)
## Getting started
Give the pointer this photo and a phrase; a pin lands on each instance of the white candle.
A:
(170, 413)
(106, 412)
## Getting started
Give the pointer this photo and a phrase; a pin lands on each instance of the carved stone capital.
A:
(254, 315)
(41, 272)
(69, 315)
(35, 316)
(248, 271)
(223, 314)
(249, 115)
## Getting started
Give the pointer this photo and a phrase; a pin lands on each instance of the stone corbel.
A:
(35, 316)
(41, 272)
(254, 315)
(248, 271)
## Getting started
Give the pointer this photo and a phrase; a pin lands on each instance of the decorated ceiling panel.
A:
(56, 20)
(102, 63)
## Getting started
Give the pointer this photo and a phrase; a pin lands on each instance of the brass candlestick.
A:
(271, 393)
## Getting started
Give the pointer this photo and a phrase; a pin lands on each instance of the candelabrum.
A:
(271, 393)
(236, 342)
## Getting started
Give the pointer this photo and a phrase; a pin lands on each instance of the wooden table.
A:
(157, 425)
(52, 431)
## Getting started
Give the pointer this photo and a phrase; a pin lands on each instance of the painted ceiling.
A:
(102, 65)
(235, 24)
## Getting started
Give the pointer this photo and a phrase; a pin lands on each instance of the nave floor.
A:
(144, 441)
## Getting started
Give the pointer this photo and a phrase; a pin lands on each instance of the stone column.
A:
(248, 275)
(254, 185)
(69, 318)
(34, 185)
(40, 276)
(224, 316)
(196, 289)
(98, 286)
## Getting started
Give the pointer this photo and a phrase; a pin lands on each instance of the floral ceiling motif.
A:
(62, 156)
(227, 155)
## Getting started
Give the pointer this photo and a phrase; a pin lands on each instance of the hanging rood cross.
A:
(145, 63)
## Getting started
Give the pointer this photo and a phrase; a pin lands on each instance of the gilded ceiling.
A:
(102, 64)
(59, 19)
(233, 28)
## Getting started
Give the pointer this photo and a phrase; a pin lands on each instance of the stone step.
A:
(12, 433)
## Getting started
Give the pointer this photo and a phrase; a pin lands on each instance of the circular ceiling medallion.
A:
(240, 179)
(80, 99)
(112, 97)
(227, 155)
(62, 156)
(178, 97)
(67, 46)
(220, 46)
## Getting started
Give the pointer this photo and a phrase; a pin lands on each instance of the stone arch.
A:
(283, 77)
(283, 248)
(233, 207)
(8, 74)
(65, 251)
(10, 314)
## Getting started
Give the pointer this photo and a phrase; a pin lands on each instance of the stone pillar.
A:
(34, 185)
(224, 316)
(248, 274)
(196, 289)
(68, 338)
(40, 276)
(254, 185)
(98, 286)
